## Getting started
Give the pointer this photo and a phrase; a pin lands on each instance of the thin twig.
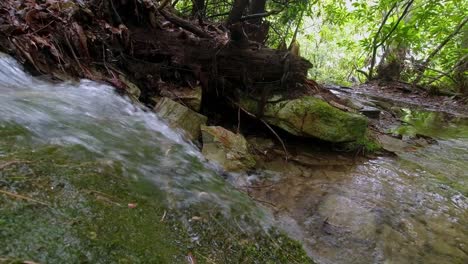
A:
(268, 126)
(12, 162)
(262, 201)
(163, 216)
(50, 23)
(74, 54)
(238, 118)
(19, 196)
(109, 198)
(286, 154)
(10, 260)
(260, 186)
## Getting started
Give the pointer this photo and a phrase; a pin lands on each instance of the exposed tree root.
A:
(150, 44)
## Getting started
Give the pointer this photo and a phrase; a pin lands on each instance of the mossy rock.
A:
(65, 204)
(181, 117)
(226, 148)
(312, 117)
(188, 96)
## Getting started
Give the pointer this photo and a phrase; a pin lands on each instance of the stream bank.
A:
(87, 176)
(343, 207)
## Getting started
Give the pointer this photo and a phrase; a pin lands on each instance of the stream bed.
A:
(406, 208)
(410, 208)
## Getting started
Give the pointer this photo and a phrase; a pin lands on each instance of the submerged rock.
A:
(311, 117)
(343, 215)
(179, 116)
(392, 144)
(226, 148)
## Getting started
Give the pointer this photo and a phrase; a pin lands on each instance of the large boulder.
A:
(226, 148)
(181, 117)
(311, 117)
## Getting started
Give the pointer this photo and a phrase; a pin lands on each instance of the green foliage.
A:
(340, 37)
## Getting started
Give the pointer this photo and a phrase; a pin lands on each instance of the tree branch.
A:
(374, 42)
(184, 24)
(438, 49)
(260, 15)
(405, 12)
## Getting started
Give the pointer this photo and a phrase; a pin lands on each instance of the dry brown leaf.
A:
(30, 16)
(40, 40)
(82, 45)
(191, 259)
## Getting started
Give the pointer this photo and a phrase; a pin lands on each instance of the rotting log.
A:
(147, 43)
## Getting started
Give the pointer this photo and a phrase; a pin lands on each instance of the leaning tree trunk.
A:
(429, 58)
(461, 68)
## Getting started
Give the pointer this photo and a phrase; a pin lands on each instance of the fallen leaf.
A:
(191, 259)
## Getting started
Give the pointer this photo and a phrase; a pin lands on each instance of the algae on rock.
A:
(308, 116)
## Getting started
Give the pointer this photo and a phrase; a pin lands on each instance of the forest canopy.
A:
(423, 42)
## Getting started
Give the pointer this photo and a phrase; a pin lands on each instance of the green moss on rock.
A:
(77, 210)
(312, 117)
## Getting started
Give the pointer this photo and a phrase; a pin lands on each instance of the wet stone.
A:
(370, 112)
(190, 97)
(226, 148)
(181, 117)
(345, 215)
(308, 116)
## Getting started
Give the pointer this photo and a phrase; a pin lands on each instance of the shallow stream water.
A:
(410, 208)
(407, 209)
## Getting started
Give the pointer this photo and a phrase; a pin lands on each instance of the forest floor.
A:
(403, 93)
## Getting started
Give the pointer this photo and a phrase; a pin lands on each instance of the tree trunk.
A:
(237, 10)
(461, 68)
(198, 8)
(257, 7)
(377, 44)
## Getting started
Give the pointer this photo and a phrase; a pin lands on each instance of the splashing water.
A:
(94, 116)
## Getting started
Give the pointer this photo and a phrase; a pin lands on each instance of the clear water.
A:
(407, 209)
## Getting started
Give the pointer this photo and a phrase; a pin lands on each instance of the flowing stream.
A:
(407, 209)
(94, 116)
